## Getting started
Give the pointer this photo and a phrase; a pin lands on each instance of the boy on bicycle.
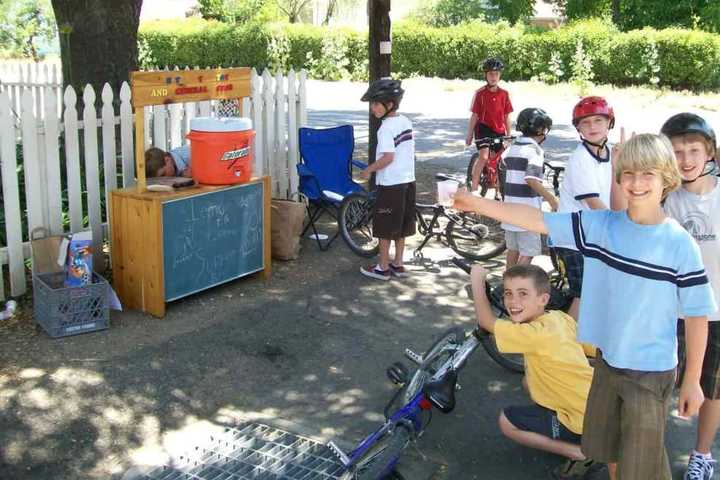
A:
(557, 373)
(394, 214)
(641, 270)
(587, 181)
(524, 162)
(491, 108)
(696, 206)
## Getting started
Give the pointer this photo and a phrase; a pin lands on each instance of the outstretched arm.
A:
(522, 216)
(483, 312)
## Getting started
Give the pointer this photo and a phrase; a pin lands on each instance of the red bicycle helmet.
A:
(593, 106)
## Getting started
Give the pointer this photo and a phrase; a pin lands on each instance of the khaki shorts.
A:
(527, 243)
(625, 421)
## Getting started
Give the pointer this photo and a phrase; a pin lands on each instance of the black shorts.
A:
(538, 419)
(573, 263)
(394, 215)
(483, 131)
(710, 375)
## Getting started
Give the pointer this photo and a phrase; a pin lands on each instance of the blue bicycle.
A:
(431, 386)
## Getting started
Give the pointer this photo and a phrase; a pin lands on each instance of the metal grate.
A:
(253, 451)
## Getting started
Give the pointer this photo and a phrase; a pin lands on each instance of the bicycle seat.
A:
(441, 393)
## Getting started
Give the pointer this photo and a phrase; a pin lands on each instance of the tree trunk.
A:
(379, 18)
(615, 7)
(330, 11)
(98, 41)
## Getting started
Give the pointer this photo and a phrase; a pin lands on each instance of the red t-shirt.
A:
(492, 107)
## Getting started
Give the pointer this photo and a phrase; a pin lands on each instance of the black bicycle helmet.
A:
(493, 63)
(683, 123)
(533, 122)
(383, 90)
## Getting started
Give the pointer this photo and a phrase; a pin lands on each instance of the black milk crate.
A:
(63, 311)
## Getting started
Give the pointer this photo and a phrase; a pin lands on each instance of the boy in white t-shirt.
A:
(587, 181)
(696, 206)
(524, 162)
(394, 215)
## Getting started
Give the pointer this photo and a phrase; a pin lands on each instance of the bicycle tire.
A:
(454, 335)
(355, 219)
(470, 236)
(510, 361)
(484, 182)
(383, 455)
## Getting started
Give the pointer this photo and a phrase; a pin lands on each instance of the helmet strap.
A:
(600, 145)
(388, 111)
(706, 171)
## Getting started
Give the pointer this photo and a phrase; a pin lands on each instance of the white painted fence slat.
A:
(281, 136)
(257, 118)
(92, 176)
(292, 135)
(72, 161)
(11, 200)
(302, 94)
(159, 133)
(54, 176)
(127, 141)
(34, 193)
(269, 129)
(109, 154)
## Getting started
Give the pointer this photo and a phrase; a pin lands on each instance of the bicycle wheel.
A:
(379, 461)
(475, 237)
(439, 352)
(355, 221)
(511, 361)
(485, 182)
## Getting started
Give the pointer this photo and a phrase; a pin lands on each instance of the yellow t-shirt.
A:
(557, 371)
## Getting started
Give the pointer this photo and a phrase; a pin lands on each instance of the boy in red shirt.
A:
(490, 117)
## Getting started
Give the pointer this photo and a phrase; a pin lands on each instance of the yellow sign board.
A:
(177, 86)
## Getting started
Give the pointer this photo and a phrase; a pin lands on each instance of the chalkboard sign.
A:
(212, 238)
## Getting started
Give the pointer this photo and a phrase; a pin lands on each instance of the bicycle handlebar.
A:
(486, 141)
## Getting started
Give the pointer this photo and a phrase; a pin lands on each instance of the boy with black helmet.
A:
(588, 180)
(696, 206)
(524, 182)
(394, 215)
(491, 108)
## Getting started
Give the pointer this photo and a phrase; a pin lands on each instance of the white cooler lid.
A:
(220, 124)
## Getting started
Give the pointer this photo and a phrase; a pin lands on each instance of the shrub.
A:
(676, 58)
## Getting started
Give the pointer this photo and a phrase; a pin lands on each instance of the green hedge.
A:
(677, 58)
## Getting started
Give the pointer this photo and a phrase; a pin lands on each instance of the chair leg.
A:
(314, 216)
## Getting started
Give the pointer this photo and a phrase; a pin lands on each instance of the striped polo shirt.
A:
(523, 160)
(636, 281)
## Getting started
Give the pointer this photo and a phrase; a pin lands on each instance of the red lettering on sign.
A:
(224, 88)
(190, 90)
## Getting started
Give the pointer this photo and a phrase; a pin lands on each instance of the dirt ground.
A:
(306, 350)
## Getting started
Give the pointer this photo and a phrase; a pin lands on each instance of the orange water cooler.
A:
(221, 150)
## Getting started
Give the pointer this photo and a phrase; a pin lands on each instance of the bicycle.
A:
(466, 234)
(492, 175)
(432, 386)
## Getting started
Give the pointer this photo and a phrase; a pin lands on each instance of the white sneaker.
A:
(699, 468)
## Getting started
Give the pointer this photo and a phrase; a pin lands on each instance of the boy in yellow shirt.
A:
(558, 374)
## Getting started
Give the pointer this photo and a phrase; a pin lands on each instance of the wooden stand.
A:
(167, 245)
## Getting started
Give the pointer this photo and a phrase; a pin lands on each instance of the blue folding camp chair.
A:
(325, 171)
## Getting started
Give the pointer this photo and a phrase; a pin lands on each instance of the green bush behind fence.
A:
(675, 58)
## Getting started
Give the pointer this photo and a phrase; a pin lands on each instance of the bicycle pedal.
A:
(337, 451)
(414, 356)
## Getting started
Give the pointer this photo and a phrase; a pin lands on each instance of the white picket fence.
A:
(37, 118)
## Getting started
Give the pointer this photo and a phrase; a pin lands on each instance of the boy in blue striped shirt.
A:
(641, 269)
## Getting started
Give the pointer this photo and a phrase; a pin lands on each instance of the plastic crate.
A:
(63, 311)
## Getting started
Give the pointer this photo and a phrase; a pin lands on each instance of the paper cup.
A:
(446, 190)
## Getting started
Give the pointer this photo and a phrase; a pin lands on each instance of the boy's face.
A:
(594, 128)
(492, 77)
(691, 156)
(378, 109)
(522, 300)
(167, 170)
(642, 188)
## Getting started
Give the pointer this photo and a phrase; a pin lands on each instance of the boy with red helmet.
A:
(587, 181)
(491, 108)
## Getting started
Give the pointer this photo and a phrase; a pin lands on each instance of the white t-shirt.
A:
(396, 136)
(585, 177)
(700, 216)
(523, 161)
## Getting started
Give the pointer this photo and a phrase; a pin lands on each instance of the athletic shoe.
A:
(572, 470)
(374, 271)
(699, 468)
(399, 272)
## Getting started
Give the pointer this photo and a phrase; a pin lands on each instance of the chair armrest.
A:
(304, 171)
(359, 164)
